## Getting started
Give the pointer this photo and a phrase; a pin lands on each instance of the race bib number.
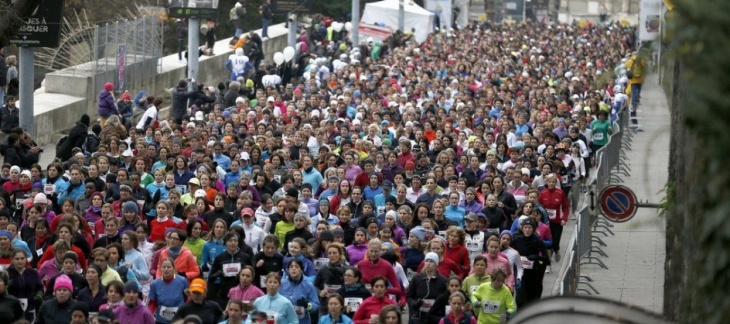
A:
(182, 189)
(552, 213)
(23, 303)
(300, 311)
(442, 234)
(231, 269)
(19, 203)
(262, 281)
(392, 297)
(448, 310)
(168, 313)
(320, 263)
(598, 136)
(39, 252)
(277, 178)
(49, 189)
(490, 307)
(427, 305)
(332, 288)
(381, 210)
(271, 317)
(352, 304)
(474, 246)
(527, 264)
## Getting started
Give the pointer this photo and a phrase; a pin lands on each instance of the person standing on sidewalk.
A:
(266, 15)
(3, 75)
(635, 71)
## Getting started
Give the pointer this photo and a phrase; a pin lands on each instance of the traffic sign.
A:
(618, 203)
(43, 28)
(193, 9)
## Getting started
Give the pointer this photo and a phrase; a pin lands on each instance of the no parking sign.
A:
(618, 203)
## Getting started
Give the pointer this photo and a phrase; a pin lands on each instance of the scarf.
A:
(72, 186)
(41, 241)
(174, 253)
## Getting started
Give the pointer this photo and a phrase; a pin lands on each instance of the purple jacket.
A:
(137, 315)
(473, 207)
(357, 252)
(107, 107)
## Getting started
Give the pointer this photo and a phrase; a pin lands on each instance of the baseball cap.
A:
(247, 212)
(198, 285)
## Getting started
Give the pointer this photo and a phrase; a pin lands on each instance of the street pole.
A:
(193, 51)
(293, 24)
(26, 90)
(355, 22)
(524, 10)
(402, 16)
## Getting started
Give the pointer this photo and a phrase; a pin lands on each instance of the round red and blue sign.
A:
(618, 203)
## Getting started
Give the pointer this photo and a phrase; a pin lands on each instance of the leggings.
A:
(557, 231)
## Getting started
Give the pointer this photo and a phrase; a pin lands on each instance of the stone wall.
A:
(68, 94)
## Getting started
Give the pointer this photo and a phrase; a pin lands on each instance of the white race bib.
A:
(448, 310)
(271, 316)
(427, 305)
(320, 263)
(332, 288)
(39, 252)
(490, 307)
(300, 311)
(442, 234)
(527, 264)
(231, 269)
(552, 213)
(168, 313)
(262, 281)
(352, 304)
(182, 189)
(23, 303)
(49, 189)
(598, 136)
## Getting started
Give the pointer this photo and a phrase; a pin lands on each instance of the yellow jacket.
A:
(639, 71)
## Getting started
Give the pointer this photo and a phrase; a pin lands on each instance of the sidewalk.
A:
(636, 254)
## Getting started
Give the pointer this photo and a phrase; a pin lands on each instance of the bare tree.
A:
(13, 15)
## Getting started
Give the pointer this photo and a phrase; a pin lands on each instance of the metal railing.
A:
(586, 243)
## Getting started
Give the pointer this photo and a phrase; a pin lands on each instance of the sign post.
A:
(618, 203)
(42, 29)
(194, 11)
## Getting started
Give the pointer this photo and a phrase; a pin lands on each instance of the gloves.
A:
(518, 283)
(302, 302)
(477, 304)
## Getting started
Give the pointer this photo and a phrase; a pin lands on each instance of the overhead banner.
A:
(367, 31)
(43, 27)
(442, 10)
(649, 20)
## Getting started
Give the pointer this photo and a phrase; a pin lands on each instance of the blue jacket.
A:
(232, 176)
(279, 305)
(139, 266)
(182, 179)
(327, 319)
(309, 271)
(222, 160)
(168, 294)
(211, 250)
(74, 194)
(295, 290)
(313, 178)
(456, 214)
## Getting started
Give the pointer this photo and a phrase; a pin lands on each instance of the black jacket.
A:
(180, 98)
(220, 282)
(10, 309)
(297, 232)
(76, 138)
(9, 119)
(422, 289)
(271, 264)
(532, 247)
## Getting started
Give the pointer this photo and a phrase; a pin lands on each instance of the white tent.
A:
(387, 12)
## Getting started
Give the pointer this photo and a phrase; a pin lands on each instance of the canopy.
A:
(387, 12)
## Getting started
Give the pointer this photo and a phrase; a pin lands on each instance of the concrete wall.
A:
(68, 94)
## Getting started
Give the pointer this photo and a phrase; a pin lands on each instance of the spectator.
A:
(266, 15)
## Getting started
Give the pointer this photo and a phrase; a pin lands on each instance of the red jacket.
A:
(445, 268)
(460, 255)
(383, 268)
(370, 306)
(185, 262)
(554, 199)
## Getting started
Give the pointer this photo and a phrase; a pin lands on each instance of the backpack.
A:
(232, 14)
(60, 143)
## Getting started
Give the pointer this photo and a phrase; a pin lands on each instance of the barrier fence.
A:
(611, 163)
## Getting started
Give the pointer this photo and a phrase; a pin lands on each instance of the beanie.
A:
(81, 307)
(419, 232)
(126, 96)
(293, 192)
(131, 286)
(433, 257)
(63, 281)
(130, 207)
(40, 198)
(71, 255)
(108, 86)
